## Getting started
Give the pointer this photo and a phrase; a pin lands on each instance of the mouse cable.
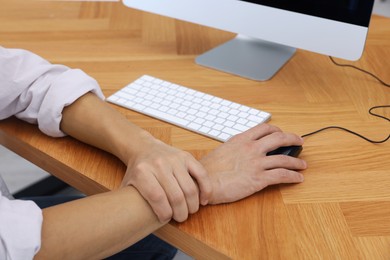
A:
(369, 111)
(362, 70)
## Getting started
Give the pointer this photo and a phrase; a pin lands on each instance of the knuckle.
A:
(267, 126)
(270, 128)
(177, 198)
(134, 178)
(285, 174)
(186, 154)
(155, 197)
(139, 168)
(159, 162)
(280, 135)
(191, 192)
(201, 175)
(285, 160)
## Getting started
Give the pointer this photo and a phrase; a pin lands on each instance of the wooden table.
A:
(341, 211)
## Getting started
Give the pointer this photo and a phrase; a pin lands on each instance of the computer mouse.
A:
(293, 150)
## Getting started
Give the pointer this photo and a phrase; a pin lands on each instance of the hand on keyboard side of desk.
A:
(240, 167)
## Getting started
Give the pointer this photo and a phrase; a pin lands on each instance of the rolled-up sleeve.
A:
(36, 91)
(20, 228)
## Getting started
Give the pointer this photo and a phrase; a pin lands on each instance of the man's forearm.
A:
(92, 121)
(97, 226)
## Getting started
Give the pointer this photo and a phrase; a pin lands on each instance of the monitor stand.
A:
(247, 57)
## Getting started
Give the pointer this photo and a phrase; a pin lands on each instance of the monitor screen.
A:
(347, 11)
(269, 31)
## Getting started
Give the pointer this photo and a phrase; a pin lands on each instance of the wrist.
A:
(216, 185)
(214, 180)
(135, 144)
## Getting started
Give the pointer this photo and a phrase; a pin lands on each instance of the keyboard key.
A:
(165, 116)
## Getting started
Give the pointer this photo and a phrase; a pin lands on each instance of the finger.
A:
(189, 189)
(155, 195)
(258, 132)
(169, 182)
(278, 139)
(281, 175)
(199, 173)
(284, 161)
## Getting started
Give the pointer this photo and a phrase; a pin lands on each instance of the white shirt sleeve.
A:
(36, 91)
(20, 228)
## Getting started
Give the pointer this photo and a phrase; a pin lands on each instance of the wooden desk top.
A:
(341, 211)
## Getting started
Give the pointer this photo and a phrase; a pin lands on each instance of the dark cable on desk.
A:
(354, 133)
(369, 111)
(362, 70)
(380, 116)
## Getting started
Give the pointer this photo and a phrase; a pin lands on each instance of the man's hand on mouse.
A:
(240, 167)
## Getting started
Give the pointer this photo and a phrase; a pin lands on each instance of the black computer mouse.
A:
(287, 150)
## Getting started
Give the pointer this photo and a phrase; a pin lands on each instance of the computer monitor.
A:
(269, 31)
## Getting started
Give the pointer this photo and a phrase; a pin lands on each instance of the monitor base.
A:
(247, 57)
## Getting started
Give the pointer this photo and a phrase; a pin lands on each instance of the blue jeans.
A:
(149, 248)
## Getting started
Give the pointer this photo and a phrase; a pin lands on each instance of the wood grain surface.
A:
(341, 211)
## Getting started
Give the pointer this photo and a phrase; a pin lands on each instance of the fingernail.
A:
(305, 163)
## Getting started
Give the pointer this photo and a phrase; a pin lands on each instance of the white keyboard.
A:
(193, 110)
